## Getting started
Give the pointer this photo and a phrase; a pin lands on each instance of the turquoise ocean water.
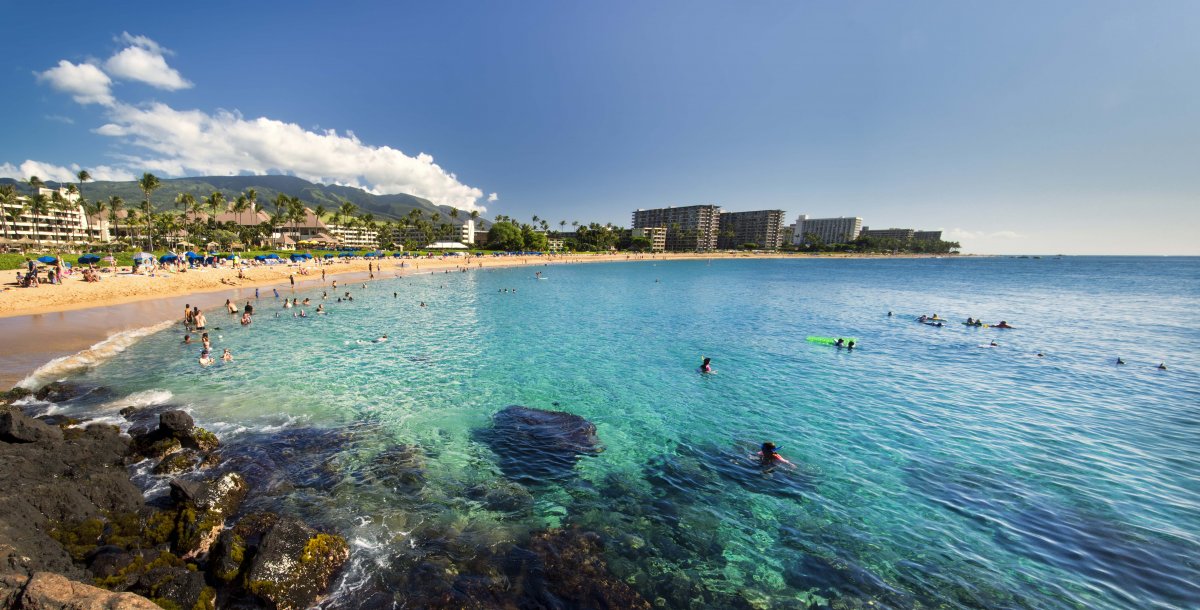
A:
(931, 471)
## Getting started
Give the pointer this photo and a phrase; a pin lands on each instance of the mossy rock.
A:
(78, 539)
(156, 448)
(295, 564)
(202, 440)
(175, 463)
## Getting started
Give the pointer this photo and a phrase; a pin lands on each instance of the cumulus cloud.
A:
(57, 173)
(182, 142)
(193, 141)
(86, 83)
(143, 61)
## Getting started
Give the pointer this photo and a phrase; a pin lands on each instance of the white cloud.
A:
(57, 173)
(493, 197)
(86, 83)
(143, 61)
(225, 143)
(58, 118)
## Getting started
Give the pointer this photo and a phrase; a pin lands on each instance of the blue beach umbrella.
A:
(166, 258)
(274, 256)
(191, 254)
(231, 257)
(328, 256)
(49, 260)
(88, 259)
(260, 258)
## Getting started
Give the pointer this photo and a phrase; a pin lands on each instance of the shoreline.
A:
(55, 322)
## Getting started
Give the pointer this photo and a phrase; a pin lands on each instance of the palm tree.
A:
(454, 213)
(562, 224)
(38, 205)
(67, 205)
(252, 199)
(8, 197)
(115, 204)
(57, 204)
(474, 214)
(149, 183)
(240, 205)
(83, 176)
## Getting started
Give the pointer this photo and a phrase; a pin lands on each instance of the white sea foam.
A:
(145, 398)
(88, 358)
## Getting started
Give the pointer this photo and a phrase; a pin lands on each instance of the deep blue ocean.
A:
(932, 469)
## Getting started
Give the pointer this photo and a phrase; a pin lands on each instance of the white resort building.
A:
(62, 220)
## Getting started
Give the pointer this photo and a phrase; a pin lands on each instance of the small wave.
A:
(90, 357)
(145, 398)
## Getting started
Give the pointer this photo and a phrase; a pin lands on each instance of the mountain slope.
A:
(384, 207)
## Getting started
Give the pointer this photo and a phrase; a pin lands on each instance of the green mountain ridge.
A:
(384, 207)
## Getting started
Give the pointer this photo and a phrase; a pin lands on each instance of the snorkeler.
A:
(769, 455)
(706, 366)
(1119, 360)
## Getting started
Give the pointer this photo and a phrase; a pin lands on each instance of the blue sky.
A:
(1039, 127)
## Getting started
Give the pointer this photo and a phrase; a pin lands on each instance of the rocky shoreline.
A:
(75, 532)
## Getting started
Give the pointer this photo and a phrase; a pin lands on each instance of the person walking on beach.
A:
(292, 279)
(322, 276)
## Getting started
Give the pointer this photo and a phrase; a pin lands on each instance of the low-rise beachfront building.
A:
(692, 227)
(904, 235)
(656, 235)
(480, 238)
(355, 237)
(466, 233)
(839, 230)
(60, 220)
(554, 244)
(763, 228)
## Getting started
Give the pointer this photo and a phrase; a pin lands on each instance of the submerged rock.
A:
(536, 446)
(295, 564)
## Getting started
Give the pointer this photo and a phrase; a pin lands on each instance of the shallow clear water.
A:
(930, 470)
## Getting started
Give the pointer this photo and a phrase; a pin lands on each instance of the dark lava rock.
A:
(183, 587)
(175, 463)
(536, 446)
(228, 559)
(109, 561)
(58, 391)
(60, 480)
(184, 491)
(16, 427)
(175, 423)
(295, 564)
(566, 568)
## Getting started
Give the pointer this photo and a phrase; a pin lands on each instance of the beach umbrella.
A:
(166, 258)
(328, 256)
(88, 259)
(260, 258)
(49, 260)
(191, 254)
(231, 257)
(273, 255)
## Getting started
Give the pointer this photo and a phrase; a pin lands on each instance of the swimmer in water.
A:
(706, 366)
(381, 339)
(993, 344)
(1162, 366)
(1119, 361)
(187, 339)
(205, 358)
(850, 345)
(227, 356)
(839, 343)
(769, 455)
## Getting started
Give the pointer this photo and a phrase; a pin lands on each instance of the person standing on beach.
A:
(292, 279)
(187, 314)
(322, 275)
